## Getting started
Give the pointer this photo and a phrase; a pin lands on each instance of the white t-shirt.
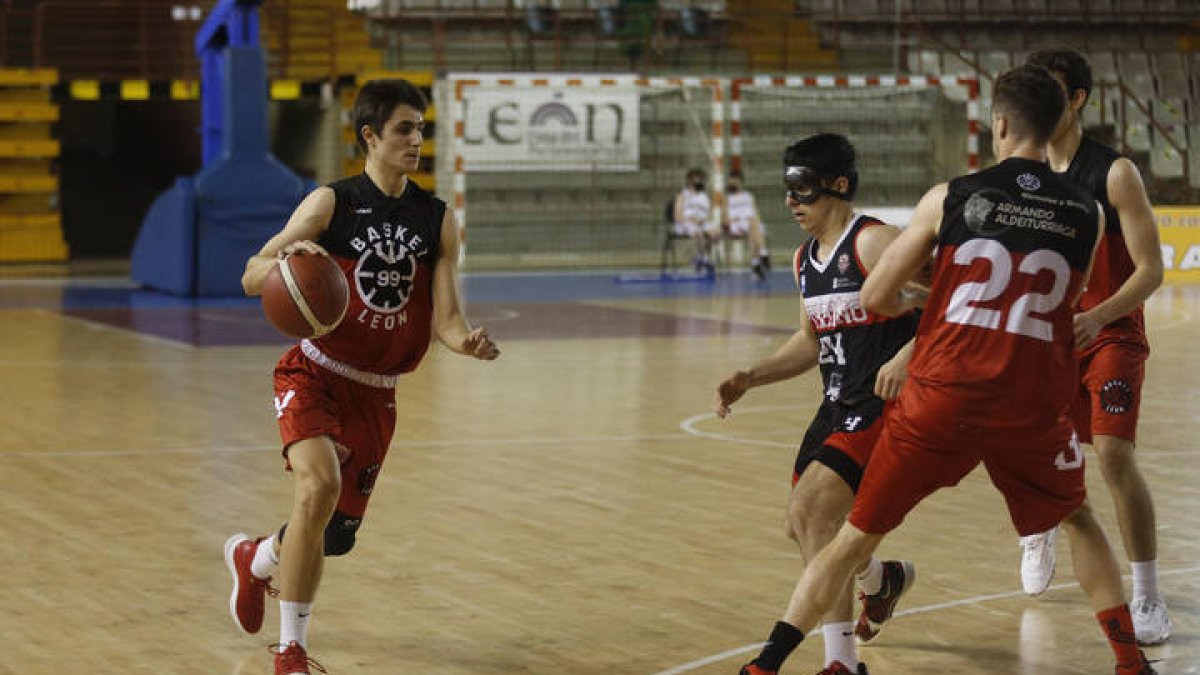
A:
(741, 211)
(692, 214)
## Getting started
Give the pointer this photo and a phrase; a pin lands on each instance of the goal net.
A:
(908, 133)
(574, 171)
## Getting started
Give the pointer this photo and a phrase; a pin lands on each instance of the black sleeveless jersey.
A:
(387, 247)
(1089, 169)
(854, 342)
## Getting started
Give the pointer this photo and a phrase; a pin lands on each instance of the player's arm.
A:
(1085, 331)
(306, 225)
(1128, 197)
(870, 246)
(449, 323)
(798, 355)
(904, 258)
(892, 375)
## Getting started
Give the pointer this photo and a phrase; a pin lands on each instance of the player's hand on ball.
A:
(302, 246)
(729, 391)
(1087, 327)
(890, 378)
(478, 344)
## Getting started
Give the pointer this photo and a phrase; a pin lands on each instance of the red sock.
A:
(1118, 628)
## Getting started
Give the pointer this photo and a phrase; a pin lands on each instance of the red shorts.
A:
(841, 437)
(311, 401)
(1039, 471)
(1110, 391)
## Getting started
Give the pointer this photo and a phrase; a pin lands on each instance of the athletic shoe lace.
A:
(295, 659)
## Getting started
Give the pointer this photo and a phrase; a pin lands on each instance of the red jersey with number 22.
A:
(996, 345)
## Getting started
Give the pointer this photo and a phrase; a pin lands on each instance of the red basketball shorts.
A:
(1110, 391)
(311, 401)
(1040, 471)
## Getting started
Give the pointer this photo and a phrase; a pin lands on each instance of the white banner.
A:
(546, 128)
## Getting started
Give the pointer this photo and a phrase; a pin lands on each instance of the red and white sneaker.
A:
(293, 660)
(751, 669)
(248, 598)
(898, 577)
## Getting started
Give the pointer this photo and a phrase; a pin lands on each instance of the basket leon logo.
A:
(383, 275)
(1116, 397)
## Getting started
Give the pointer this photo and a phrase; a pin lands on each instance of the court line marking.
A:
(715, 658)
(688, 426)
(128, 332)
(246, 449)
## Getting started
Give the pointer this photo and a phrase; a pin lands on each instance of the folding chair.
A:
(669, 239)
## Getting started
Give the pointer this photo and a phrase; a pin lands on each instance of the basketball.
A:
(305, 295)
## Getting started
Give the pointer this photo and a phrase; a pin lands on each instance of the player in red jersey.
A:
(1113, 343)
(1014, 246)
(335, 395)
(862, 357)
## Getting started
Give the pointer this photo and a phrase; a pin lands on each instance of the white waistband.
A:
(349, 372)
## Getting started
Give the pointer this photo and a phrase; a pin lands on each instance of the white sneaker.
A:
(1038, 560)
(1151, 623)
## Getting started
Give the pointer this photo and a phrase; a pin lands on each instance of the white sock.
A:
(293, 622)
(265, 562)
(1145, 579)
(839, 644)
(870, 580)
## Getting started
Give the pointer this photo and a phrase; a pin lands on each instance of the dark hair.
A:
(830, 155)
(1032, 99)
(695, 172)
(736, 173)
(378, 99)
(1071, 65)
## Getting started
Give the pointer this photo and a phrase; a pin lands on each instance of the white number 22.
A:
(963, 309)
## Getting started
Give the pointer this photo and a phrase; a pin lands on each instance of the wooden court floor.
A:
(570, 508)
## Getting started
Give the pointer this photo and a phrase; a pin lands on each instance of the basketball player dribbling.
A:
(335, 395)
(1114, 348)
(862, 357)
(1015, 244)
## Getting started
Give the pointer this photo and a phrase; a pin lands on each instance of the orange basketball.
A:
(305, 295)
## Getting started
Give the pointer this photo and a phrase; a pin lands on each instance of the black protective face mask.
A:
(698, 187)
(803, 185)
(735, 188)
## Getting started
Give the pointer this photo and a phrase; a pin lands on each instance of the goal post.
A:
(575, 170)
(909, 133)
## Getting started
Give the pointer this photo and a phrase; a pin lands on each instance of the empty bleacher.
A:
(1146, 87)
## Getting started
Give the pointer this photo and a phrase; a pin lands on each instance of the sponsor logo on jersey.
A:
(843, 263)
(836, 310)
(362, 211)
(1116, 397)
(977, 212)
(1028, 181)
(843, 282)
